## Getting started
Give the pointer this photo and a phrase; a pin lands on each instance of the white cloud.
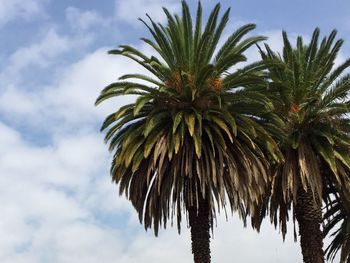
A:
(43, 196)
(44, 52)
(16, 98)
(75, 94)
(129, 11)
(83, 20)
(18, 101)
(70, 99)
(14, 9)
(87, 243)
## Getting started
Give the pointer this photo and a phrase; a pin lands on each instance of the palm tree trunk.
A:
(200, 227)
(309, 216)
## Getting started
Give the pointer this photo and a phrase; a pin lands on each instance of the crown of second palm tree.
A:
(192, 132)
(310, 95)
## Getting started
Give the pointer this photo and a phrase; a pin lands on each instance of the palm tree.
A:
(190, 143)
(310, 95)
(338, 215)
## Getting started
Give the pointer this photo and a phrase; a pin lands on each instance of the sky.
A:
(57, 201)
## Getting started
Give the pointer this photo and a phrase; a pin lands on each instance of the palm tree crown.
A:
(310, 95)
(190, 135)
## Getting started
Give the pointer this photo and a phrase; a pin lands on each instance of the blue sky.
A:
(56, 198)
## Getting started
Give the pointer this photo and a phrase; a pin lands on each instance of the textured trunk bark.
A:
(309, 216)
(200, 227)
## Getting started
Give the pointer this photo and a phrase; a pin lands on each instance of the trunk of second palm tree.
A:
(200, 227)
(309, 216)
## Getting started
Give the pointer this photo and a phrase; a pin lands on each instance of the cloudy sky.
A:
(57, 201)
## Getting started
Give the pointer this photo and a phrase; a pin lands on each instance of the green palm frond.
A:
(337, 216)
